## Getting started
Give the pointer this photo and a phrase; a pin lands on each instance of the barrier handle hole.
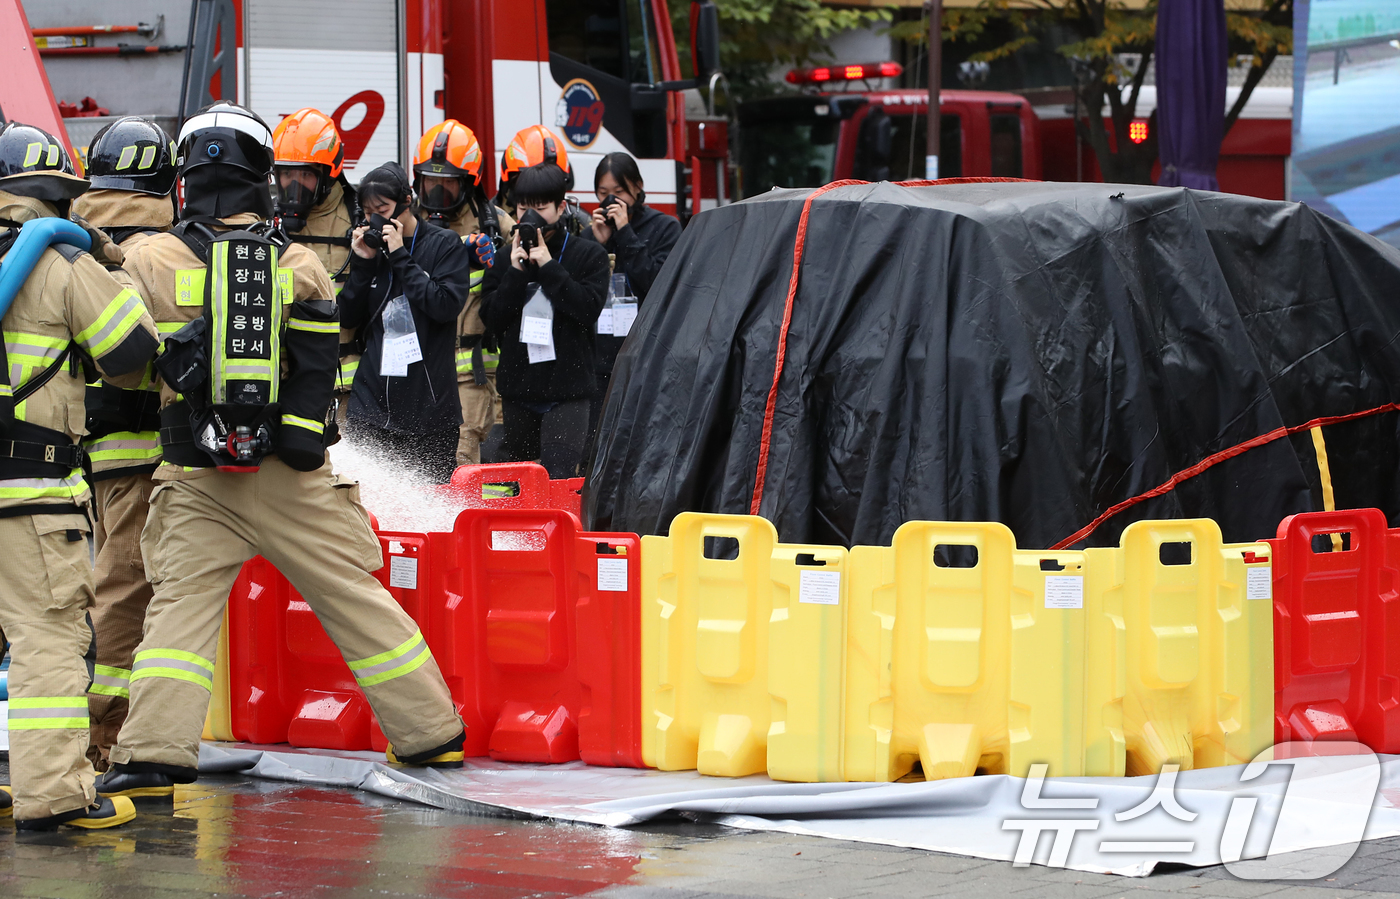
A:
(1175, 553)
(500, 490)
(722, 548)
(606, 549)
(518, 541)
(809, 559)
(955, 555)
(1335, 542)
(1051, 565)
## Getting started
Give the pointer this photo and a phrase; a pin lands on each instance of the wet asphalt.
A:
(232, 836)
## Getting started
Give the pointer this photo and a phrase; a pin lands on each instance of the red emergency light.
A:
(856, 72)
(1137, 130)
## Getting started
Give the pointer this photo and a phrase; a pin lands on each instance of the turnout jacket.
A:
(575, 282)
(69, 298)
(434, 275)
(129, 218)
(469, 325)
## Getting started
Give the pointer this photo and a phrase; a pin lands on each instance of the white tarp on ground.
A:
(1115, 825)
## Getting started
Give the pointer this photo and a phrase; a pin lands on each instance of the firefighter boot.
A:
(102, 813)
(448, 755)
(7, 802)
(143, 780)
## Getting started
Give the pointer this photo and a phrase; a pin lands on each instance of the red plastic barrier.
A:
(533, 622)
(539, 638)
(536, 490)
(1336, 626)
(287, 681)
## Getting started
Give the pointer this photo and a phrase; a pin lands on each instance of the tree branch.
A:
(1251, 81)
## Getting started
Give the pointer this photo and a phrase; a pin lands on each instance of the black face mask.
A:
(295, 201)
(224, 190)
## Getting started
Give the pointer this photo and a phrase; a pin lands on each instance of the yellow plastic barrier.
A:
(715, 696)
(218, 722)
(965, 654)
(1192, 621)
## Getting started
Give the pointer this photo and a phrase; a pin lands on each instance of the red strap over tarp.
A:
(1213, 460)
(767, 439)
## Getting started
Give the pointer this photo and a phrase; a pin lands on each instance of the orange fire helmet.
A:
(532, 146)
(304, 143)
(308, 136)
(447, 152)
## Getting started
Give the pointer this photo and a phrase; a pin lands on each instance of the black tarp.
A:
(1031, 353)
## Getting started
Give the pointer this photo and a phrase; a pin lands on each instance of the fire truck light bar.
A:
(858, 72)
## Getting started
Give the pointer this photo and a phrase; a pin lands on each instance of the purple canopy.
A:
(1191, 65)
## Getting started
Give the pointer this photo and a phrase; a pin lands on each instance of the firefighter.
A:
(532, 146)
(447, 179)
(131, 164)
(316, 206)
(246, 389)
(67, 314)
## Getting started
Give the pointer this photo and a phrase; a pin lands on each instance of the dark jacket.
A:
(575, 281)
(434, 278)
(641, 248)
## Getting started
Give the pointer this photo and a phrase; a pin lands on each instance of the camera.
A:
(531, 223)
(374, 234)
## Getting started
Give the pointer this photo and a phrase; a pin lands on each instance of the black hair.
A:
(541, 183)
(388, 182)
(624, 170)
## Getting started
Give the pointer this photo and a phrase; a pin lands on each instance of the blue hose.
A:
(34, 238)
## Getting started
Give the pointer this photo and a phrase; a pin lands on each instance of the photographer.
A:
(408, 283)
(640, 239)
(543, 308)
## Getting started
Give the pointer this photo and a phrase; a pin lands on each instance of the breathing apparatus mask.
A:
(295, 197)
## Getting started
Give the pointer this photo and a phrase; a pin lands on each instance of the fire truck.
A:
(829, 134)
(603, 74)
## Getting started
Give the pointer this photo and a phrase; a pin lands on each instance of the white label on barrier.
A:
(403, 572)
(821, 587)
(1064, 591)
(1259, 582)
(612, 575)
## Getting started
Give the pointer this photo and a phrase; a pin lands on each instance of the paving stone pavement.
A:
(237, 837)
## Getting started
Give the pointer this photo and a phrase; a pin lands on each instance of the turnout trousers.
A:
(480, 410)
(45, 593)
(123, 593)
(310, 525)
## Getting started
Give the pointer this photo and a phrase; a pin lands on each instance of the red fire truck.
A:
(604, 74)
(810, 139)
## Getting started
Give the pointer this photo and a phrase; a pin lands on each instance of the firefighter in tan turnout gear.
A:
(317, 207)
(67, 313)
(131, 164)
(447, 179)
(245, 471)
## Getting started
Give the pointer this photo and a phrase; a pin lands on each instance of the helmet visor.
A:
(441, 193)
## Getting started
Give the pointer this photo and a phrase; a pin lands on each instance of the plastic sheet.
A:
(1029, 353)
(963, 815)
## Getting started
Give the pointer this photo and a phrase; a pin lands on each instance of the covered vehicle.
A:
(1063, 358)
